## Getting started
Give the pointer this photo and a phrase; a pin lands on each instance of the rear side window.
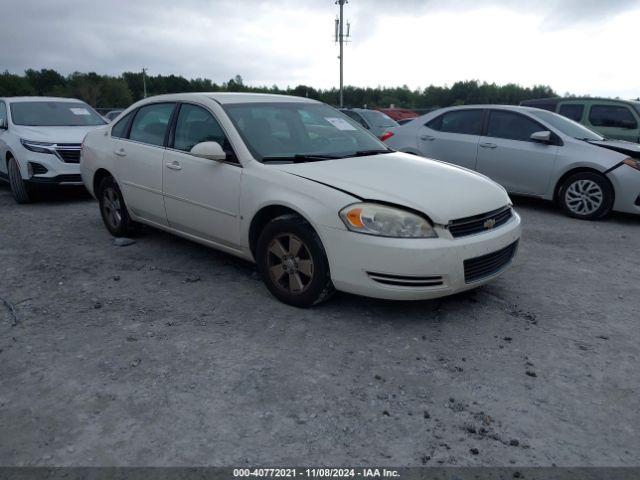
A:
(150, 123)
(616, 116)
(119, 130)
(196, 125)
(511, 126)
(572, 111)
(468, 122)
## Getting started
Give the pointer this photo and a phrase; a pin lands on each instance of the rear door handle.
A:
(427, 138)
(120, 153)
(488, 145)
(173, 166)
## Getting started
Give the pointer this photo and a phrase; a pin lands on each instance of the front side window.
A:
(572, 111)
(54, 114)
(615, 116)
(511, 126)
(286, 130)
(467, 122)
(119, 130)
(196, 125)
(150, 123)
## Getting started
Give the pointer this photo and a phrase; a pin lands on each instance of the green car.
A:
(619, 119)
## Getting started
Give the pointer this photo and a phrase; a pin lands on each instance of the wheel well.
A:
(566, 175)
(260, 220)
(100, 174)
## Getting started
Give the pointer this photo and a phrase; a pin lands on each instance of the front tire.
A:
(292, 262)
(586, 195)
(19, 188)
(113, 209)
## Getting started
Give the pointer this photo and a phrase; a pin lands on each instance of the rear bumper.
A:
(418, 269)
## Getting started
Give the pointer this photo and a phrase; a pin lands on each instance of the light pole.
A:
(144, 82)
(340, 38)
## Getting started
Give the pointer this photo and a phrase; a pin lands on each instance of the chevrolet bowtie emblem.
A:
(489, 224)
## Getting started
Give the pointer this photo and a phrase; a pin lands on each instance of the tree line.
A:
(104, 91)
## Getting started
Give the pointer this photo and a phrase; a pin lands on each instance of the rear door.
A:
(139, 160)
(507, 155)
(201, 196)
(614, 121)
(452, 137)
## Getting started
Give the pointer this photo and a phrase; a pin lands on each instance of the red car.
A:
(398, 113)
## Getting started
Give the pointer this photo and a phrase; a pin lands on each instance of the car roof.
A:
(514, 108)
(231, 97)
(40, 99)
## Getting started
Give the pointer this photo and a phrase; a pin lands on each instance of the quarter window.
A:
(468, 122)
(572, 111)
(119, 130)
(511, 126)
(615, 116)
(196, 125)
(150, 123)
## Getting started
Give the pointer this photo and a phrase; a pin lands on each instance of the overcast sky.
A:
(579, 46)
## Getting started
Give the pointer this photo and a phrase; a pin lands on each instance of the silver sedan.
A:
(531, 152)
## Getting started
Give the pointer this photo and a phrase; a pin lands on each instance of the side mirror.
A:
(541, 137)
(209, 150)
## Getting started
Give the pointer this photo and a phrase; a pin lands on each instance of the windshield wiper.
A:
(364, 153)
(299, 158)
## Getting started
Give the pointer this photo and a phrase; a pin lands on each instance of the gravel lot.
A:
(167, 353)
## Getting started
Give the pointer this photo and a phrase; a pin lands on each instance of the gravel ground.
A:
(167, 353)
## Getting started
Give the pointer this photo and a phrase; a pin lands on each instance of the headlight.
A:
(384, 221)
(39, 147)
(632, 162)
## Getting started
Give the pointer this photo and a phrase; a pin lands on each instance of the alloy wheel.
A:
(584, 197)
(290, 264)
(112, 207)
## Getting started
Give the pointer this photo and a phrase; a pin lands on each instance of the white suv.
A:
(40, 139)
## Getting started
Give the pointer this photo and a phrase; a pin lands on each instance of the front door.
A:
(201, 196)
(507, 155)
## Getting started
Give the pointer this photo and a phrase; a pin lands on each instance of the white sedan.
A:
(314, 199)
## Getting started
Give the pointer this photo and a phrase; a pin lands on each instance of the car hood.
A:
(442, 191)
(620, 146)
(53, 134)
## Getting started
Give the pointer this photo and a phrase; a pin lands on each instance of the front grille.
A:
(480, 223)
(406, 281)
(69, 178)
(69, 152)
(487, 265)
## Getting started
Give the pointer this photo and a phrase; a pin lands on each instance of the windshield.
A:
(566, 126)
(379, 119)
(54, 114)
(286, 131)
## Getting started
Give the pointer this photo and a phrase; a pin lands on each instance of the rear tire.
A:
(586, 195)
(292, 262)
(113, 209)
(19, 189)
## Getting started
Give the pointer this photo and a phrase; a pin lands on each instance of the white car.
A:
(531, 152)
(40, 140)
(309, 195)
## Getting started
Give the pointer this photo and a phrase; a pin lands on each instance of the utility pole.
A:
(144, 81)
(340, 38)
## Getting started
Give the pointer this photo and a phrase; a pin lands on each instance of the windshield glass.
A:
(54, 114)
(566, 126)
(288, 130)
(379, 119)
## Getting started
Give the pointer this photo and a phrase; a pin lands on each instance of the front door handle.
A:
(427, 138)
(488, 145)
(174, 166)
(120, 152)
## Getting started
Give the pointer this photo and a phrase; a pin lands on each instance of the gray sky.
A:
(579, 46)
